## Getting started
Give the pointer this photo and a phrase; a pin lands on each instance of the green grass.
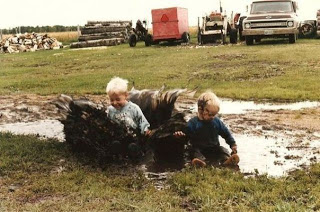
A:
(270, 70)
(30, 165)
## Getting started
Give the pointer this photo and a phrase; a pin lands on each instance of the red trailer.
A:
(169, 24)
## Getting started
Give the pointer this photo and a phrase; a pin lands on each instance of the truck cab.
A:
(271, 18)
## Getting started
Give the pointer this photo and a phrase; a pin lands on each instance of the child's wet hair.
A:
(117, 85)
(208, 98)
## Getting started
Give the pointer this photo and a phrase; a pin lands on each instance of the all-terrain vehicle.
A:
(138, 34)
(271, 18)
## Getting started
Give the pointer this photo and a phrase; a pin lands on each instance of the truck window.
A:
(271, 7)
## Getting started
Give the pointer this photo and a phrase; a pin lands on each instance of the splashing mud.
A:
(272, 138)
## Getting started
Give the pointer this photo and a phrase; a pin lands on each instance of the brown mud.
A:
(272, 138)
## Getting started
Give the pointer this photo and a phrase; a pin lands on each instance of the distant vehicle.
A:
(138, 34)
(216, 27)
(271, 18)
(169, 24)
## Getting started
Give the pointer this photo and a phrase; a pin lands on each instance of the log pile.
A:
(318, 22)
(103, 33)
(28, 42)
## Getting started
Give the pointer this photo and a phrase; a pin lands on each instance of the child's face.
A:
(118, 100)
(207, 113)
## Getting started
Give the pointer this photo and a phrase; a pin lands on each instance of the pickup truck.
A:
(271, 18)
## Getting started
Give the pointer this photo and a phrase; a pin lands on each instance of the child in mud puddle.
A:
(204, 130)
(126, 113)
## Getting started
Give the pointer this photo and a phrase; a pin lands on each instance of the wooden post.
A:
(0, 34)
(78, 29)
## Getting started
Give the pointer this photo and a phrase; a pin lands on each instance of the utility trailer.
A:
(169, 24)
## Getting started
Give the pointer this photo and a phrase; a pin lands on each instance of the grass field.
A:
(37, 175)
(277, 70)
(44, 176)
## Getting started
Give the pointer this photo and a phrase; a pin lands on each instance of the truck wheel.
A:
(233, 36)
(249, 40)
(148, 40)
(185, 37)
(132, 40)
(241, 37)
(292, 38)
(257, 40)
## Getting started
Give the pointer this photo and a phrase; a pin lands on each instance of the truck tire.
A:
(233, 36)
(148, 40)
(249, 40)
(292, 38)
(185, 37)
(132, 40)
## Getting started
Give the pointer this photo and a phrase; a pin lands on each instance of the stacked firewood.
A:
(318, 22)
(28, 42)
(103, 33)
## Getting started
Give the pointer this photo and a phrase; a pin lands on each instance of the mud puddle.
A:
(272, 138)
(275, 155)
(241, 107)
(41, 128)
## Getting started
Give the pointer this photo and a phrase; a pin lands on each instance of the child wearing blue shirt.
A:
(125, 113)
(204, 131)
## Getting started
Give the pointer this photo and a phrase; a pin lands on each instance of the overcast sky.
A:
(78, 12)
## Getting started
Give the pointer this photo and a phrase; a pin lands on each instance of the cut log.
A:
(98, 37)
(109, 23)
(96, 43)
(95, 30)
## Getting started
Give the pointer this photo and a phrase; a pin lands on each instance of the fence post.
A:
(78, 29)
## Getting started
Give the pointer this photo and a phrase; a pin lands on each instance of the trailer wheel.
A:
(148, 40)
(233, 36)
(249, 40)
(185, 37)
(292, 38)
(132, 40)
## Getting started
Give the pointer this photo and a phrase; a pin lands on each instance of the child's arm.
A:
(142, 121)
(225, 133)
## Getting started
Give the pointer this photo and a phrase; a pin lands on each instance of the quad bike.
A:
(138, 34)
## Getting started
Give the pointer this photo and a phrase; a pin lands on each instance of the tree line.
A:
(39, 29)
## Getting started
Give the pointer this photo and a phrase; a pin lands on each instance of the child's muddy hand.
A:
(178, 134)
(148, 133)
(234, 149)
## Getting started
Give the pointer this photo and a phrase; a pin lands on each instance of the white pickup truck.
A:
(271, 18)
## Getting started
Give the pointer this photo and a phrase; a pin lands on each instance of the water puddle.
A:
(276, 155)
(241, 107)
(42, 128)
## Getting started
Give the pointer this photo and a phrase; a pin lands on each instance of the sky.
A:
(71, 12)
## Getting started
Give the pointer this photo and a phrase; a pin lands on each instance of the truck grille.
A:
(275, 24)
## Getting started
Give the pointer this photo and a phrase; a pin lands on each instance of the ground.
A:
(294, 130)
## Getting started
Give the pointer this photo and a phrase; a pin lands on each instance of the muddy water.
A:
(270, 152)
(241, 107)
(275, 155)
(42, 128)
